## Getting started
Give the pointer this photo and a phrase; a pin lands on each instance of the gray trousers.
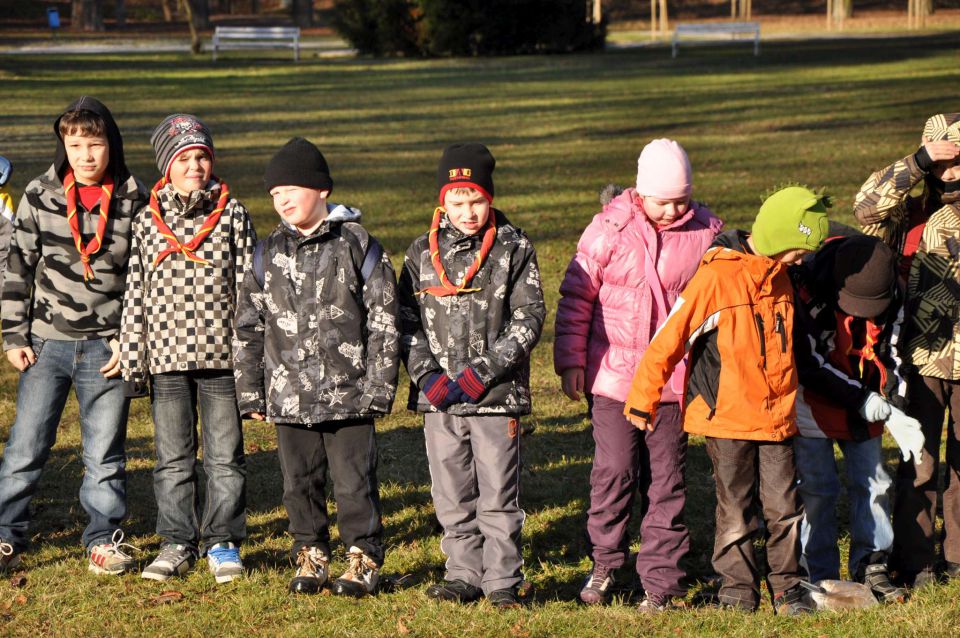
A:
(475, 474)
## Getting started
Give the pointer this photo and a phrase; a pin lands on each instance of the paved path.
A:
(316, 49)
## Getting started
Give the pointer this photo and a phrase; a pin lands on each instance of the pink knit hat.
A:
(663, 171)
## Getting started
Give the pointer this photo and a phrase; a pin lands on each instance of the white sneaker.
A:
(361, 577)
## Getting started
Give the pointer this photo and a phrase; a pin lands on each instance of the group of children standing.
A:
(668, 327)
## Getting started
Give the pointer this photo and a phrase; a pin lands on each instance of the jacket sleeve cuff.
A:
(15, 340)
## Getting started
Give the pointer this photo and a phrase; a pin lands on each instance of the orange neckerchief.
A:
(70, 190)
(208, 225)
(446, 288)
(844, 341)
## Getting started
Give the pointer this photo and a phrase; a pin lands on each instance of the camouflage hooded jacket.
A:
(492, 331)
(317, 343)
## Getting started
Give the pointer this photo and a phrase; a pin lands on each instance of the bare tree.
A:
(658, 23)
(741, 9)
(917, 12)
(86, 15)
(198, 12)
(120, 13)
(167, 10)
(302, 12)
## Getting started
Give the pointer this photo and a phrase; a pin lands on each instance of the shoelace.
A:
(599, 575)
(357, 566)
(117, 540)
(225, 554)
(307, 562)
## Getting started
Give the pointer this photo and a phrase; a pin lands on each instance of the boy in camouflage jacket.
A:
(61, 302)
(467, 348)
(316, 351)
(926, 231)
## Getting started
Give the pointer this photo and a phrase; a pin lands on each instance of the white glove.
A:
(906, 432)
(875, 408)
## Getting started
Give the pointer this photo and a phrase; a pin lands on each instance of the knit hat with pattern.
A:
(178, 133)
(466, 166)
(792, 218)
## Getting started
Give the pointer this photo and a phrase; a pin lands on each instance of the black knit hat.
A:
(864, 271)
(298, 163)
(466, 166)
(178, 133)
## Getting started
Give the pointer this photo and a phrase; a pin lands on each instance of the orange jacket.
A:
(735, 317)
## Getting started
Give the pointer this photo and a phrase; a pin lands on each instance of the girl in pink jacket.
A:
(632, 262)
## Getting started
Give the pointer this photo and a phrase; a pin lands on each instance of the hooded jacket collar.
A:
(117, 166)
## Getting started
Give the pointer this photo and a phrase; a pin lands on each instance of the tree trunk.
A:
(302, 12)
(254, 7)
(86, 15)
(597, 11)
(195, 45)
(842, 9)
(120, 14)
(198, 13)
(167, 10)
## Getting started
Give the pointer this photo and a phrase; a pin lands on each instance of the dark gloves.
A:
(436, 387)
(471, 385)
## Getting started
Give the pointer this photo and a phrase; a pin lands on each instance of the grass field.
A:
(825, 113)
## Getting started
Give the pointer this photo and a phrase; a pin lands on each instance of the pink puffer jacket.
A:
(608, 312)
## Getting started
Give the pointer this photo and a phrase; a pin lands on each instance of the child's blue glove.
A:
(471, 385)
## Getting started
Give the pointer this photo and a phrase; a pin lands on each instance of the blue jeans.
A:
(868, 487)
(41, 396)
(175, 399)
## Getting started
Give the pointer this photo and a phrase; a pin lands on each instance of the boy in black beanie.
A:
(316, 352)
(471, 312)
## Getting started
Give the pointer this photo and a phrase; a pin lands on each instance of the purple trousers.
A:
(627, 461)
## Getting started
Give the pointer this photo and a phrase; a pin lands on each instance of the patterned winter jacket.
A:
(933, 295)
(492, 331)
(44, 291)
(317, 343)
(178, 315)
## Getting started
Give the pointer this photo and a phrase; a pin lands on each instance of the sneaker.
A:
(9, 557)
(224, 562)
(793, 602)
(456, 591)
(361, 576)
(313, 569)
(173, 560)
(596, 588)
(951, 570)
(877, 578)
(654, 603)
(925, 577)
(504, 599)
(109, 558)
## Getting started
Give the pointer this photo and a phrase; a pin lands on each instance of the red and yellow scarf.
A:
(188, 249)
(446, 288)
(70, 190)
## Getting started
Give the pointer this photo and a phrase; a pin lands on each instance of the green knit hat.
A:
(793, 217)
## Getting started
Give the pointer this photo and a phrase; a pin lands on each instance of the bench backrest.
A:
(259, 33)
(719, 27)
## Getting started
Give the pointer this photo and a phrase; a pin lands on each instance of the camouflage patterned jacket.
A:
(493, 330)
(179, 315)
(44, 292)
(316, 343)
(933, 295)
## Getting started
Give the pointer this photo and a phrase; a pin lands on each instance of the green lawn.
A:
(825, 113)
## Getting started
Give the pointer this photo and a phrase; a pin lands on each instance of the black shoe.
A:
(877, 578)
(952, 570)
(504, 599)
(456, 591)
(312, 571)
(793, 602)
(360, 579)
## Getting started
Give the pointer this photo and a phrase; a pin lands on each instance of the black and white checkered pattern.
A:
(178, 316)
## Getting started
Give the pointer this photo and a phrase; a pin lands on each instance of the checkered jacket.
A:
(178, 315)
(492, 331)
(316, 342)
(44, 291)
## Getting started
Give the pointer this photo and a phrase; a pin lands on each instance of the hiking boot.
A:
(313, 568)
(361, 576)
(654, 603)
(925, 577)
(877, 578)
(456, 591)
(224, 562)
(109, 558)
(793, 602)
(596, 589)
(173, 560)
(9, 557)
(505, 598)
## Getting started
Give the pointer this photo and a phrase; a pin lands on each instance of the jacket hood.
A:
(118, 166)
(734, 240)
(335, 213)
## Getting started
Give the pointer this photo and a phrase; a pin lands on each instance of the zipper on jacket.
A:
(782, 329)
(763, 339)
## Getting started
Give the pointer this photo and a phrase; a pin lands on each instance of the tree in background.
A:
(86, 15)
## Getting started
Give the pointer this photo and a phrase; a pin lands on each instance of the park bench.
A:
(226, 38)
(717, 31)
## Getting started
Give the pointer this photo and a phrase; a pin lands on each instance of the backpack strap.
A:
(371, 257)
(258, 266)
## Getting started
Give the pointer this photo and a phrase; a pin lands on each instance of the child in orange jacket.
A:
(735, 319)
